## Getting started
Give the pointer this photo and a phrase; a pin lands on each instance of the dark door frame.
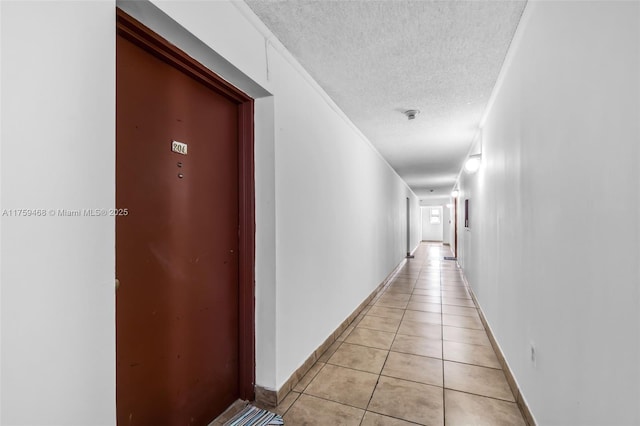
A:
(137, 33)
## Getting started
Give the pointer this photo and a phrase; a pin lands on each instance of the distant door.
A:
(432, 226)
(178, 306)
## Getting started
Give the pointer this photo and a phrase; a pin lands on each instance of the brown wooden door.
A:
(177, 306)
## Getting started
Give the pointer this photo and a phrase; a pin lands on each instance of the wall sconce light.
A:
(455, 193)
(473, 163)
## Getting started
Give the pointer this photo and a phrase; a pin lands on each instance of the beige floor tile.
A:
(458, 302)
(380, 323)
(286, 403)
(419, 298)
(373, 419)
(359, 358)
(408, 289)
(415, 402)
(394, 290)
(372, 338)
(330, 351)
(386, 312)
(426, 292)
(422, 329)
(414, 368)
(412, 272)
(385, 303)
(421, 316)
(404, 280)
(463, 409)
(460, 310)
(477, 380)
(394, 295)
(453, 285)
(343, 385)
(307, 378)
(429, 278)
(408, 272)
(451, 277)
(309, 411)
(430, 274)
(458, 294)
(425, 307)
(462, 321)
(455, 290)
(470, 354)
(427, 285)
(418, 346)
(428, 282)
(465, 335)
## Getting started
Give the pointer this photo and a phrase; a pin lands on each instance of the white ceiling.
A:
(377, 59)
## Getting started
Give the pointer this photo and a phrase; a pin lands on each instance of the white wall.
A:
(432, 231)
(553, 249)
(58, 113)
(330, 212)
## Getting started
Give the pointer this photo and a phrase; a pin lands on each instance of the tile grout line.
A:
(294, 401)
(334, 401)
(383, 364)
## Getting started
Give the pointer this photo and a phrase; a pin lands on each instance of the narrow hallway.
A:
(418, 354)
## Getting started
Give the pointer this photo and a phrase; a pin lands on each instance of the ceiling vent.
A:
(411, 113)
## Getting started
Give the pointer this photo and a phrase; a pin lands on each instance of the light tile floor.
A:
(418, 354)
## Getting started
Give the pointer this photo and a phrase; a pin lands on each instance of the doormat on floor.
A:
(254, 416)
(450, 258)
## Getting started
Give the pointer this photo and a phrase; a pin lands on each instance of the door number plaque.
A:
(179, 147)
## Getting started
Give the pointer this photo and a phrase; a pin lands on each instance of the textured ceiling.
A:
(377, 59)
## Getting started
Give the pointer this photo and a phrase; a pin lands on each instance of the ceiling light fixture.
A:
(473, 163)
(411, 113)
(455, 193)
